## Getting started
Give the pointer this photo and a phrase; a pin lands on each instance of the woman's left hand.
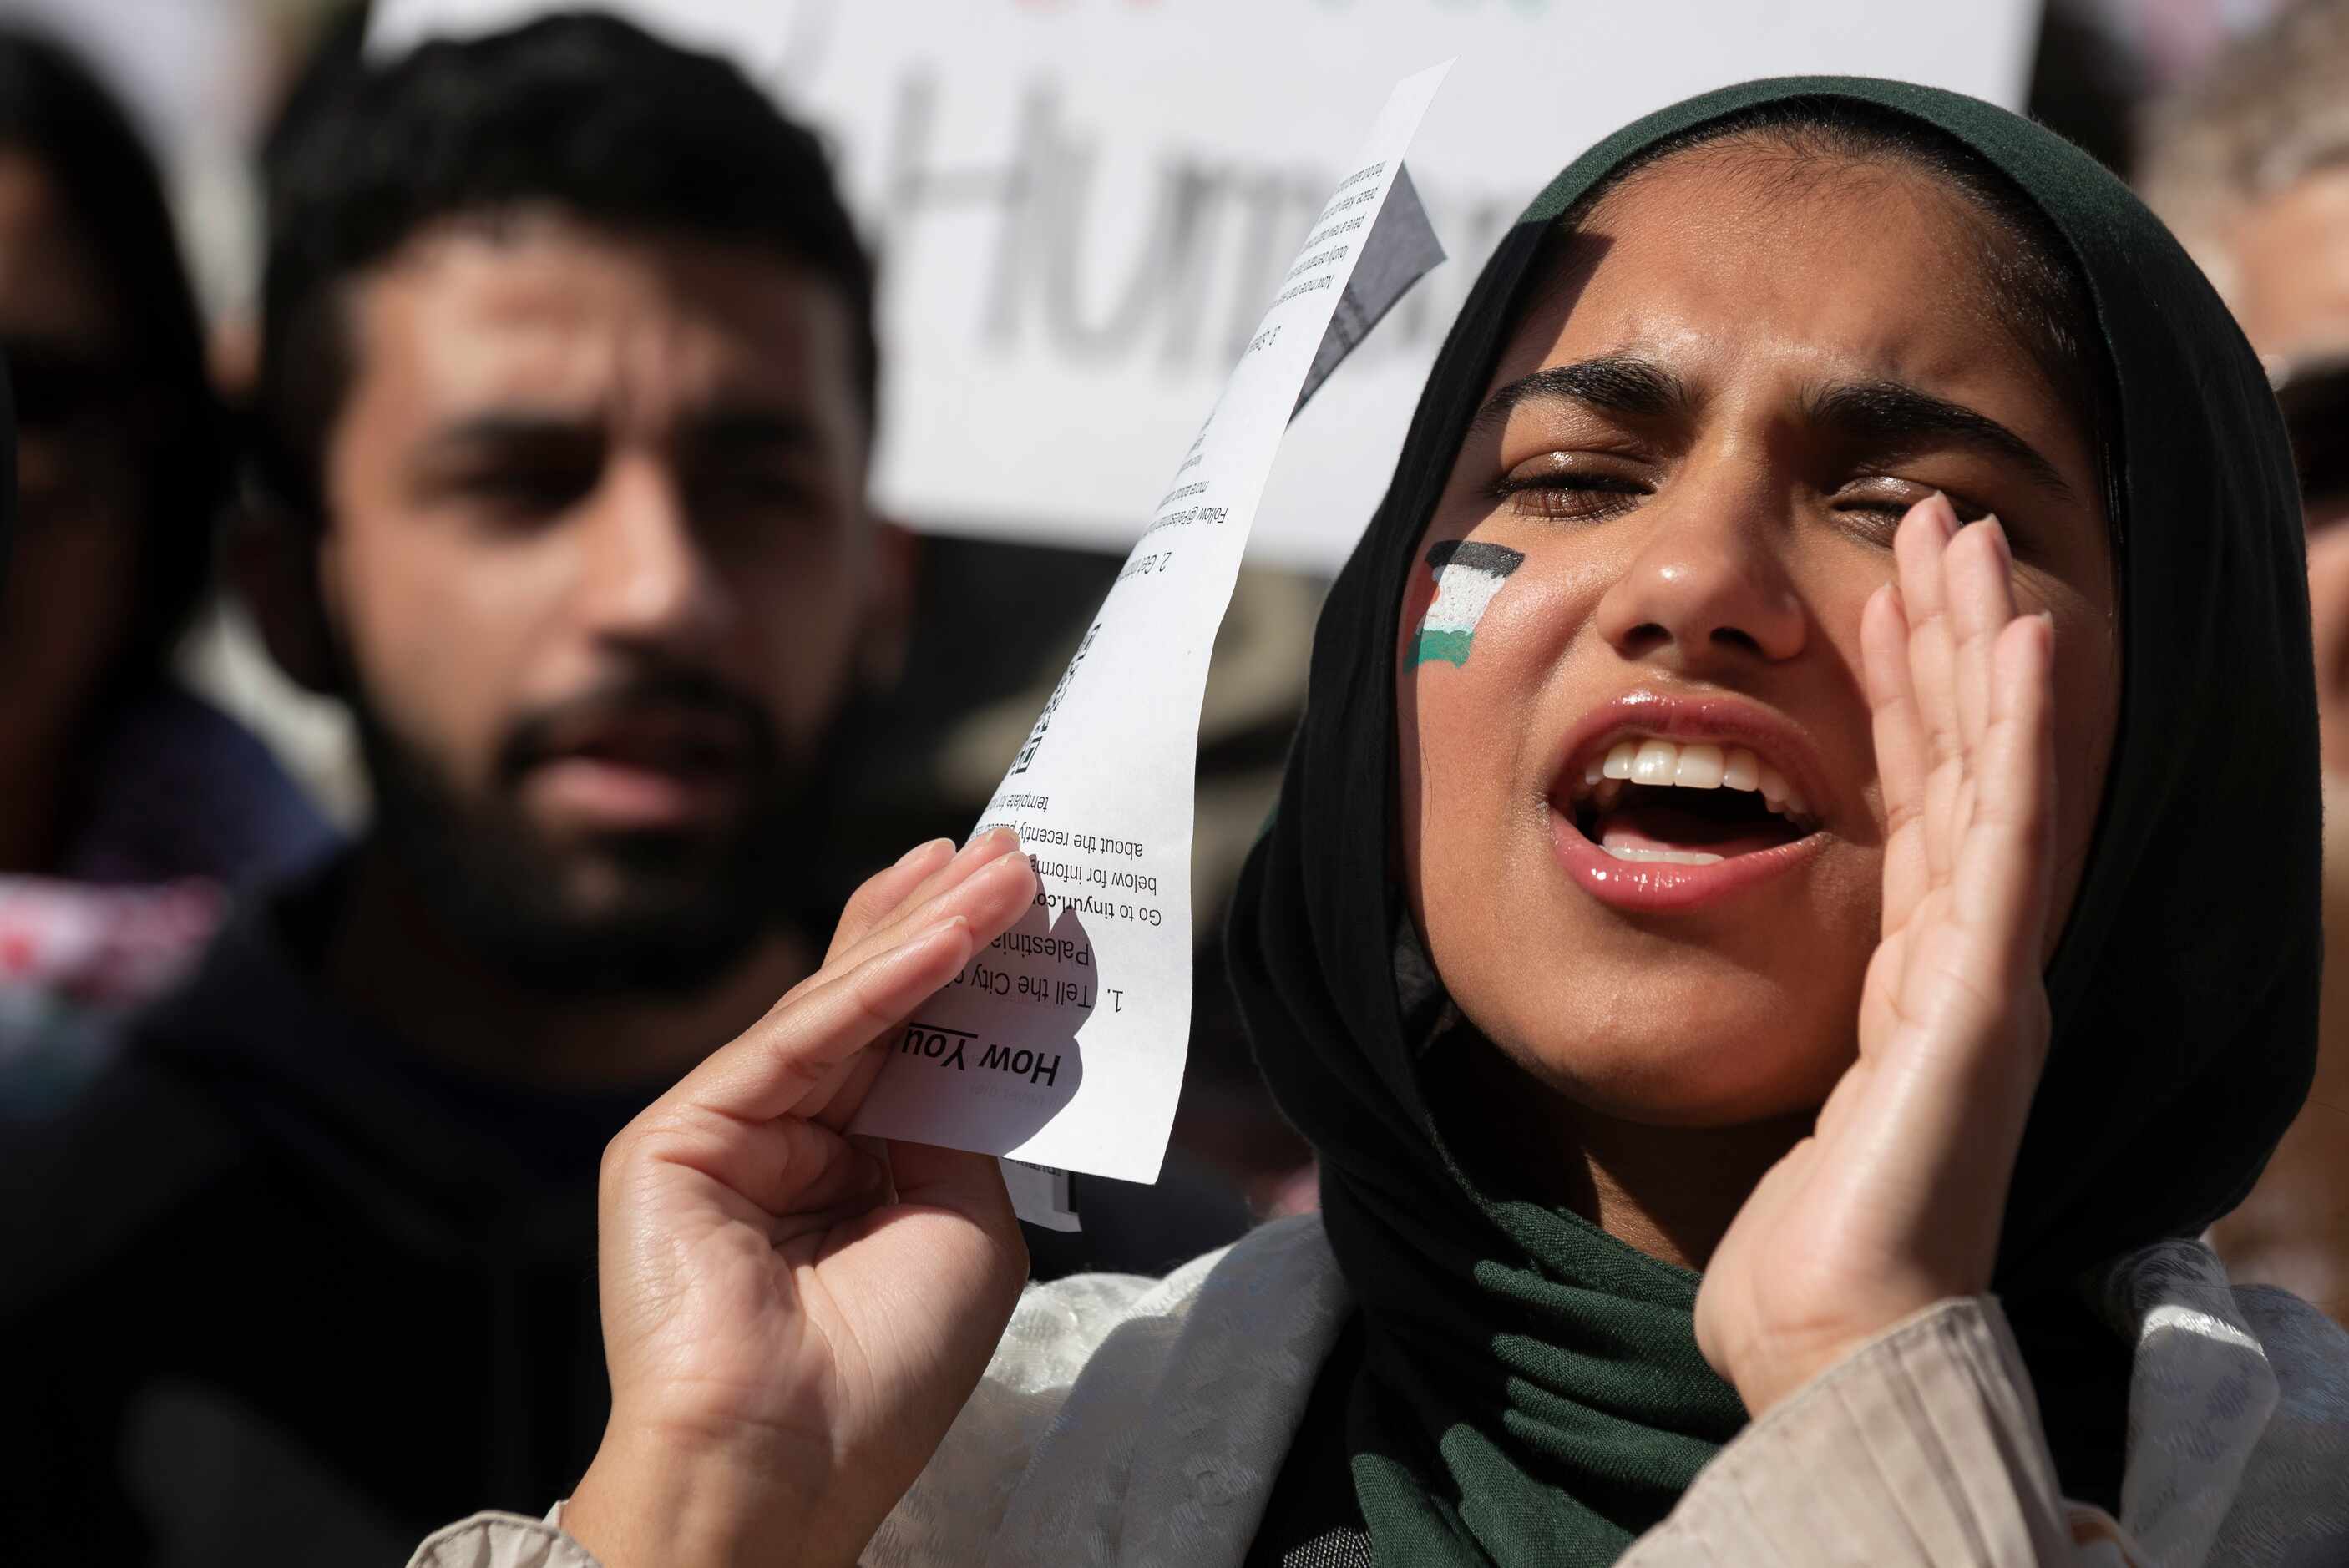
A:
(1894, 1200)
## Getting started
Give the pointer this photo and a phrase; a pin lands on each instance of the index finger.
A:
(785, 1064)
(1903, 756)
(776, 1064)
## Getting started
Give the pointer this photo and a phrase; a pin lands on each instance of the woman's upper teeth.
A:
(1694, 765)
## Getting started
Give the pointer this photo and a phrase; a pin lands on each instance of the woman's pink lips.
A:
(1655, 887)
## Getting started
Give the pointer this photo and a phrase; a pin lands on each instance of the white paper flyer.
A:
(1061, 1044)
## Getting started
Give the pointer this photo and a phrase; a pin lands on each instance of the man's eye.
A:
(1570, 497)
(753, 490)
(528, 491)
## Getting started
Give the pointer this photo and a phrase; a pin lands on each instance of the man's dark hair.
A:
(159, 388)
(586, 112)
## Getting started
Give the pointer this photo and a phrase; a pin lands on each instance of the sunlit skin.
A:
(2287, 270)
(1723, 542)
(2287, 267)
(566, 456)
(71, 583)
(777, 1384)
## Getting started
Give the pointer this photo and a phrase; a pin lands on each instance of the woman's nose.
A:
(1706, 586)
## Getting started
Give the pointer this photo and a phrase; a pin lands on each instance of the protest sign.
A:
(1080, 205)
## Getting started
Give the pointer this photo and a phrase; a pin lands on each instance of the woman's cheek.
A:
(1476, 707)
(1439, 777)
(1465, 653)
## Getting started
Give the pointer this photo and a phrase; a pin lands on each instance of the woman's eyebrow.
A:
(1894, 416)
(1613, 383)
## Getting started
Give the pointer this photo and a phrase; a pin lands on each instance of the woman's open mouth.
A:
(1648, 823)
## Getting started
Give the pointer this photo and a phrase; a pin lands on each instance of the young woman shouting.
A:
(1792, 904)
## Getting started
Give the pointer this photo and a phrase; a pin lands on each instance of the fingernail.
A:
(918, 851)
(1945, 517)
(995, 867)
(1998, 534)
(979, 839)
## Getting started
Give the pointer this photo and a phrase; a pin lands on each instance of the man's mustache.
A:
(722, 720)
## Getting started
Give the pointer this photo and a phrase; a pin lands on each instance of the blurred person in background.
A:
(565, 398)
(2251, 166)
(126, 805)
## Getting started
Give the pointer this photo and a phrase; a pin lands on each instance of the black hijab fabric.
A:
(1528, 1389)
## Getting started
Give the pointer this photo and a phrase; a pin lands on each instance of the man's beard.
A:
(686, 906)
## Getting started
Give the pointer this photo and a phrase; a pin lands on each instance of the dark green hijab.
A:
(1529, 1390)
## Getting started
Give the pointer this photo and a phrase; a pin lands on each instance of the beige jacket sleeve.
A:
(1920, 1448)
(502, 1540)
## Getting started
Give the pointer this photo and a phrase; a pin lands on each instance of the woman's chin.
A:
(1714, 1072)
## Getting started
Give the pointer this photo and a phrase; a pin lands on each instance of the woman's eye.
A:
(1874, 521)
(1874, 506)
(1567, 496)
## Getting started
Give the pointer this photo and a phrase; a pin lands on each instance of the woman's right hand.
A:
(790, 1319)
(1894, 1200)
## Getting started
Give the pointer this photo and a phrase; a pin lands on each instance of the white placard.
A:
(1063, 1042)
(1080, 204)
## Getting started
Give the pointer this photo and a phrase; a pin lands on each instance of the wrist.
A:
(1793, 1365)
(645, 1503)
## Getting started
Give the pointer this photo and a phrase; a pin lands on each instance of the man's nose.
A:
(1707, 586)
(648, 578)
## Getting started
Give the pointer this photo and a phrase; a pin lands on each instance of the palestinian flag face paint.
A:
(1463, 575)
